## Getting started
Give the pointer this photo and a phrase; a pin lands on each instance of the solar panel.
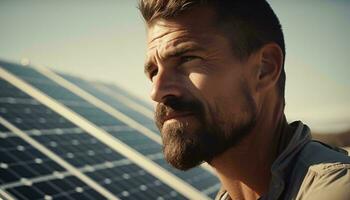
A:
(107, 167)
(26, 173)
(122, 101)
(21, 160)
(81, 149)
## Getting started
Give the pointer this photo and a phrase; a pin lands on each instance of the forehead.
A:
(190, 25)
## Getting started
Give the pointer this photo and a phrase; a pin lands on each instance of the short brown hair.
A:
(249, 24)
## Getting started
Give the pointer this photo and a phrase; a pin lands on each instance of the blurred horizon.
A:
(105, 41)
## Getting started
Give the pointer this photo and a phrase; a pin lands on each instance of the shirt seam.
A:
(329, 168)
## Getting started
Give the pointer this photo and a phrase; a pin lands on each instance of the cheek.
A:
(205, 88)
(223, 95)
(226, 87)
(199, 81)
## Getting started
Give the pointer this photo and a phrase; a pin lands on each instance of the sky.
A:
(105, 40)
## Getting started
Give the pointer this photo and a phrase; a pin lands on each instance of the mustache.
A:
(177, 104)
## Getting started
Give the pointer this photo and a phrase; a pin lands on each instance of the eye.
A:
(152, 73)
(186, 59)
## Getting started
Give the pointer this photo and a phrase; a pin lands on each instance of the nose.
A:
(165, 84)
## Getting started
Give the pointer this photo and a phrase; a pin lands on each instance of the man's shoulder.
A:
(327, 172)
(326, 181)
(317, 153)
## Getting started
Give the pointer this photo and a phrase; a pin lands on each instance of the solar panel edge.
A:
(173, 182)
(5, 195)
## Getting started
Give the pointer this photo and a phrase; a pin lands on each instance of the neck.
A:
(244, 170)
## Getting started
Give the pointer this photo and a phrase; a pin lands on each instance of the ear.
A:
(271, 61)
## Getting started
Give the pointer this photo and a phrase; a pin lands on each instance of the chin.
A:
(183, 144)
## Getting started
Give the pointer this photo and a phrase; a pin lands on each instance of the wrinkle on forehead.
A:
(169, 46)
(162, 38)
(192, 21)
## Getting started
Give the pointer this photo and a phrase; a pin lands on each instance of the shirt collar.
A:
(279, 168)
(300, 137)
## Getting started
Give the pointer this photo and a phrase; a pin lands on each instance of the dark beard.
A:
(187, 150)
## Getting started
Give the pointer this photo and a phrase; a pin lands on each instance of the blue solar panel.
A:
(120, 105)
(76, 147)
(26, 173)
(115, 102)
(22, 160)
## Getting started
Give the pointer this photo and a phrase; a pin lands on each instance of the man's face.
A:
(204, 98)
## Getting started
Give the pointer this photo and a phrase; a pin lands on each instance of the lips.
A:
(175, 115)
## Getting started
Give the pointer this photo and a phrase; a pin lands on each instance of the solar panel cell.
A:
(20, 160)
(68, 188)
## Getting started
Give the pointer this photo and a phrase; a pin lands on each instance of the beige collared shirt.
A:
(307, 170)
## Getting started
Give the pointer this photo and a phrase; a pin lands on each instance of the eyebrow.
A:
(174, 52)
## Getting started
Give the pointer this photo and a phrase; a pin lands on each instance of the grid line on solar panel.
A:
(31, 181)
(167, 188)
(68, 188)
(84, 169)
(20, 160)
(62, 174)
(5, 195)
(62, 131)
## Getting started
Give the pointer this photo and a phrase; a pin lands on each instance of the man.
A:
(217, 69)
